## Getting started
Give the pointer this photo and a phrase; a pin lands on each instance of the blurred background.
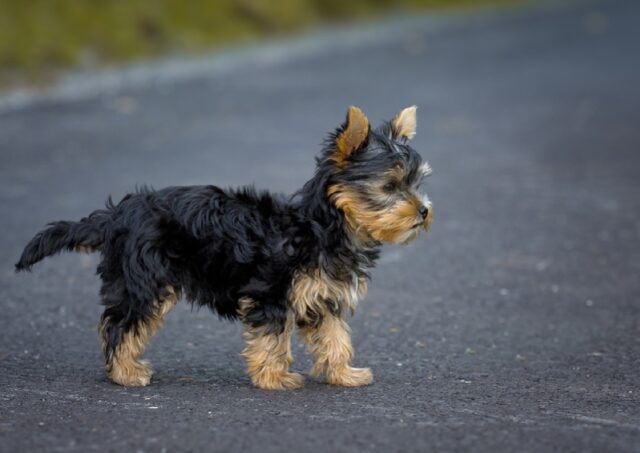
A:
(513, 325)
(41, 38)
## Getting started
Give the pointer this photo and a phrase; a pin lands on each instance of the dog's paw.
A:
(278, 381)
(350, 377)
(132, 374)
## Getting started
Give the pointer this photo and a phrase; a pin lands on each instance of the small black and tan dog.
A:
(273, 262)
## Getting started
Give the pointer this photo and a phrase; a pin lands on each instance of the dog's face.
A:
(376, 178)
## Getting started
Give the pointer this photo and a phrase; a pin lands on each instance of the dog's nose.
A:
(424, 212)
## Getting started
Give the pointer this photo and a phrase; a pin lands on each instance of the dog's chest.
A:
(315, 294)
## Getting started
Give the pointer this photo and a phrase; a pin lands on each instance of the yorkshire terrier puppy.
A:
(272, 262)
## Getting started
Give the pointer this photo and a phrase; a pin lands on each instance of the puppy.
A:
(272, 262)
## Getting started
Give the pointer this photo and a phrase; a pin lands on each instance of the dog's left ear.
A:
(353, 134)
(404, 124)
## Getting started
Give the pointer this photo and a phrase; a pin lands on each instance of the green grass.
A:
(38, 38)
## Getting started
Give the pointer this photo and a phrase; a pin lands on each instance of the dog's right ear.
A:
(353, 134)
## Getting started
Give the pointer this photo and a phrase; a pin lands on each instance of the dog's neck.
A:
(340, 251)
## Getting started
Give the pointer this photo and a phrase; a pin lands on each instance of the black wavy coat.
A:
(212, 246)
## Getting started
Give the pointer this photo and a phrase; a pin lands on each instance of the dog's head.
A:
(375, 177)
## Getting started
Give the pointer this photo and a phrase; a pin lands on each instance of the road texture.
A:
(514, 326)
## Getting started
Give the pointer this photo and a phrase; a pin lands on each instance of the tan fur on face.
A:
(404, 124)
(354, 134)
(395, 225)
(330, 345)
(268, 355)
(124, 365)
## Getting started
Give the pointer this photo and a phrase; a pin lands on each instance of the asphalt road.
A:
(514, 326)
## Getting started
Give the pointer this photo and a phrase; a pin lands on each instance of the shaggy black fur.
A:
(216, 246)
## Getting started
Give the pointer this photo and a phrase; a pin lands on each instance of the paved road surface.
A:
(513, 327)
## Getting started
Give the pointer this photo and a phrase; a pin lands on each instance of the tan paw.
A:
(278, 381)
(131, 374)
(350, 377)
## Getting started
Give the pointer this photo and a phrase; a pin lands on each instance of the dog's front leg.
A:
(268, 355)
(330, 345)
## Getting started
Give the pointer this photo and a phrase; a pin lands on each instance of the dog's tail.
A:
(87, 235)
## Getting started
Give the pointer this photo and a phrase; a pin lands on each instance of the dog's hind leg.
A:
(125, 334)
(268, 351)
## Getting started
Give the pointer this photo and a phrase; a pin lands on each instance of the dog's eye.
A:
(390, 187)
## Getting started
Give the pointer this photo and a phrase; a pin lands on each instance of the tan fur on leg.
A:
(269, 356)
(330, 345)
(125, 366)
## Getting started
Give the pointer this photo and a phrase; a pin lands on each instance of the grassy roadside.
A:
(40, 38)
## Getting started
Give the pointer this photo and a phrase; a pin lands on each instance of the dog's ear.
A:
(353, 134)
(403, 126)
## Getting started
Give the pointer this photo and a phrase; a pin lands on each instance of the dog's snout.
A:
(424, 211)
